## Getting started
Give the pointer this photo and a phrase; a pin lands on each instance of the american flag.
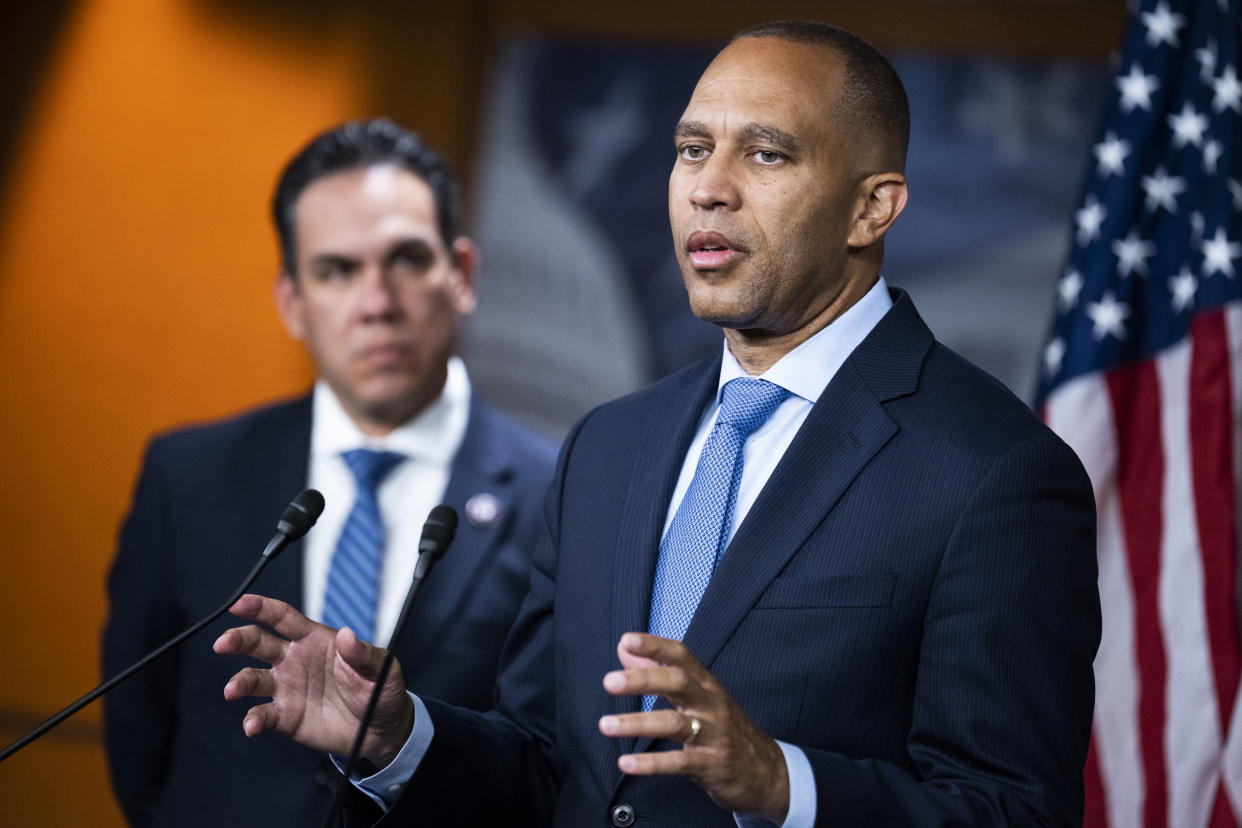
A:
(1142, 375)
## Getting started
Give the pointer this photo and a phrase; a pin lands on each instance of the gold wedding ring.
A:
(695, 727)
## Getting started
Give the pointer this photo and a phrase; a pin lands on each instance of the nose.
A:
(714, 185)
(377, 294)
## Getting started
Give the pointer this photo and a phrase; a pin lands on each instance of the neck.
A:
(758, 350)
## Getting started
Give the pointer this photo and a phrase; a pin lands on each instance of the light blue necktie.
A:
(353, 576)
(696, 537)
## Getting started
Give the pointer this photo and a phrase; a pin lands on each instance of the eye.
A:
(768, 157)
(412, 258)
(694, 152)
(332, 270)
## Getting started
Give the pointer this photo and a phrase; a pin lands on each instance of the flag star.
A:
(1109, 317)
(1136, 89)
(1207, 61)
(1162, 190)
(1227, 92)
(1054, 352)
(1183, 286)
(1188, 126)
(1111, 153)
(1212, 151)
(1235, 190)
(1089, 218)
(1068, 288)
(1162, 25)
(1219, 253)
(1132, 254)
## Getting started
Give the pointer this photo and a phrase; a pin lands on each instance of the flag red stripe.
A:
(1211, 462)
(1222, 814)
(1135, 397)
(1095, 815)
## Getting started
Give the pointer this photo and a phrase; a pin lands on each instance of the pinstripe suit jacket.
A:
(911, 600)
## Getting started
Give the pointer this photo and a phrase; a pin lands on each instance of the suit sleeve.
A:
(501, 767)
(1005, 691)
(138, 714)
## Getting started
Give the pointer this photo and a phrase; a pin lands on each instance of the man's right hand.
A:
(319, 682)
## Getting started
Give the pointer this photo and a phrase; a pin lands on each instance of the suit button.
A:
(623, 815)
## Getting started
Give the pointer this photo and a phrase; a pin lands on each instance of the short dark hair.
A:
(358, 145)
(873, 93)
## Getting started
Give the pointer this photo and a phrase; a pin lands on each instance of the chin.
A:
(724, 314)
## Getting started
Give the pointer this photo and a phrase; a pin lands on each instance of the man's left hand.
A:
(740, 767)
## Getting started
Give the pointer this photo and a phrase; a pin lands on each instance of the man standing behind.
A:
(373, 279)
(834, 576)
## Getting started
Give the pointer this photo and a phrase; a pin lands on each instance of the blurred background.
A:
(140, 140)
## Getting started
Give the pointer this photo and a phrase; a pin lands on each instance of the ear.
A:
(465, 258)
(884, 197)
(288, 298)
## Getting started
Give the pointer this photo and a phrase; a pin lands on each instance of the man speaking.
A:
(834, 576)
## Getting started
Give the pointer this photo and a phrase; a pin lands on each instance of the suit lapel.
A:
(276, 482)
(484, 464)
(844, 430)
(651, 485)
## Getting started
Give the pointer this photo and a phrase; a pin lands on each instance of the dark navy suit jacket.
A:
(911, 600)
(206, 502)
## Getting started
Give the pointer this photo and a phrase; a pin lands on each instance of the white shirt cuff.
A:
(803, 801)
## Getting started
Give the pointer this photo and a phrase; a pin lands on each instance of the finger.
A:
(631, 660)
(250, 682)
(673, 683)
(658, 650)
(251, 641)
(657, 724)
(672, 762)
(260, 718)
(278, 615)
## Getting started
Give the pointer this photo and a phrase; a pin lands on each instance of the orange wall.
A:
(135, 265)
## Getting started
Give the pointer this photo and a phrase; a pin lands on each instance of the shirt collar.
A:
(432, 435)
(806, 370)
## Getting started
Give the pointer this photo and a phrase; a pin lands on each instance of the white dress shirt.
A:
(416, 485)
(805, 371)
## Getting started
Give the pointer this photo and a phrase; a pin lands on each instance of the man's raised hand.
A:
(319, 682)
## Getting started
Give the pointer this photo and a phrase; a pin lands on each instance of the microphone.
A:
(299, 516)
(438, 532)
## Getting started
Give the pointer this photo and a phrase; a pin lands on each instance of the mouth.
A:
(709, 250)
(383, 354)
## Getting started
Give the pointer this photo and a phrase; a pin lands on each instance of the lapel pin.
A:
(484, 510)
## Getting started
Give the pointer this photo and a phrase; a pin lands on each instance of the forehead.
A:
(766, 80)
(383, 200)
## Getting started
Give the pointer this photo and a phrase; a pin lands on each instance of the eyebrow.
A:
(750, 132)
(332, 259)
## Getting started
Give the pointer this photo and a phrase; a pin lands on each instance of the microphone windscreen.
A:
(300, 515)
(439, 529)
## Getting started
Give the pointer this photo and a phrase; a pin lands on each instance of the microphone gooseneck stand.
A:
(299, 516)
(437, 534)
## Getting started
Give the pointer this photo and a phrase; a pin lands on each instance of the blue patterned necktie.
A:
(353, 576)
(696, 537)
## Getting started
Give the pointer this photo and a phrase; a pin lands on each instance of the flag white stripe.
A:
(1081, 412)
(1191, 727)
